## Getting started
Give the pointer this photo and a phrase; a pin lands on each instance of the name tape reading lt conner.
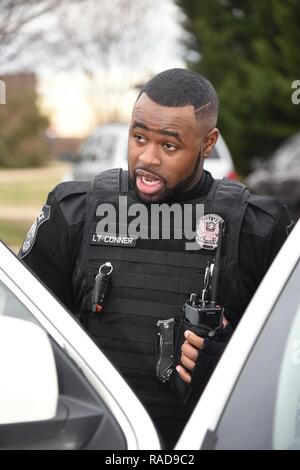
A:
(108, 239)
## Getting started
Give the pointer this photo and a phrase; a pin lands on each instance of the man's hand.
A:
(189, 353)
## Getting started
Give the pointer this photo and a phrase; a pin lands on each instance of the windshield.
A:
(101, 147)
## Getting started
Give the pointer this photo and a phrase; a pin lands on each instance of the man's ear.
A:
(210, 142)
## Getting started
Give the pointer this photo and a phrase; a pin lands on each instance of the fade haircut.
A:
(181, 87)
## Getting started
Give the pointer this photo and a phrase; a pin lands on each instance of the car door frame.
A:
(199, 432)
(67, 332)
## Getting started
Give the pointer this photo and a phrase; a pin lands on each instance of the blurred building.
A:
(24, 82)
(63, 148)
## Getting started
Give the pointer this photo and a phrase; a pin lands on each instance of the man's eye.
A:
(139, 138)
(170, 147)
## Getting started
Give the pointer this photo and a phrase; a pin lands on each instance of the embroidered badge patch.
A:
(32, 232)
(207, 232)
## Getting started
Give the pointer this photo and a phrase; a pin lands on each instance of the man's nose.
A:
(150, 155)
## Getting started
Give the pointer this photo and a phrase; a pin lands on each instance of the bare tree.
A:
(110, 42)
(105, 38)
(15, 16)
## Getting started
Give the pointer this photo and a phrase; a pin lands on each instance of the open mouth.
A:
(148, 183)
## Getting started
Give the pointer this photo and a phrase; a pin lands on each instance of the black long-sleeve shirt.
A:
(57, 243)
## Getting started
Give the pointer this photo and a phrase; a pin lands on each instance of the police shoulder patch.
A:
(32, 232)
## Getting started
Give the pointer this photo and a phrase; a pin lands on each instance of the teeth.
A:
(149, 181)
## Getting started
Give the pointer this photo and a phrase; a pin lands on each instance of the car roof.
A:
(108, 128)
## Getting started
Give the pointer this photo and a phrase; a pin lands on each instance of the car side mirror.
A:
(28, 376)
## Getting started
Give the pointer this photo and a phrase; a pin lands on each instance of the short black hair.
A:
(181, 87)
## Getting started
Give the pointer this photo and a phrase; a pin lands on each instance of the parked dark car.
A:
(280, 177)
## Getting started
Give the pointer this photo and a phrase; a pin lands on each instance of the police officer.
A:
(172, 131)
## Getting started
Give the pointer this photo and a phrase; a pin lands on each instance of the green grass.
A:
(25, 193)
(13, 233)
(25, 189)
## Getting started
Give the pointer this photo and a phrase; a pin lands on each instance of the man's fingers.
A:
(187, 363)
(189, 351)
(224, 321)
(194, 339)
(184, 375)
(189, 354)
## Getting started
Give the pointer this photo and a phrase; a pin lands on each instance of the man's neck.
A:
(201, 188)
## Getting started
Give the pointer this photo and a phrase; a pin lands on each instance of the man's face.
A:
(166, 149)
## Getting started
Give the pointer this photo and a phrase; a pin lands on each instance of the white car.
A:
(107, 146)
(252, 401)
(58, 391)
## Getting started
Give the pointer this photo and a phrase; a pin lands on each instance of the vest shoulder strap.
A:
(115, 180)
(228, 190)
(70, 188)
(272, 207)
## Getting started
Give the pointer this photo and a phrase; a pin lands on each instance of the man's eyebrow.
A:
(161, 131)
(140, 124)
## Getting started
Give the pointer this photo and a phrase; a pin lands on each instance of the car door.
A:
(263, 411)
(253, 398)
(93, 407)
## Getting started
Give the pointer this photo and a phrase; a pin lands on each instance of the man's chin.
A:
(151, 198)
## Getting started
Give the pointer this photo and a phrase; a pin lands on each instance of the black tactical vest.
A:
(151, 280)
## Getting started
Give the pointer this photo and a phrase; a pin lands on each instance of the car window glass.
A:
(263, 411)
(88, 150)
(214, 155)
(10, 306)
(286, 433)
(106, 151)
(101, 148)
